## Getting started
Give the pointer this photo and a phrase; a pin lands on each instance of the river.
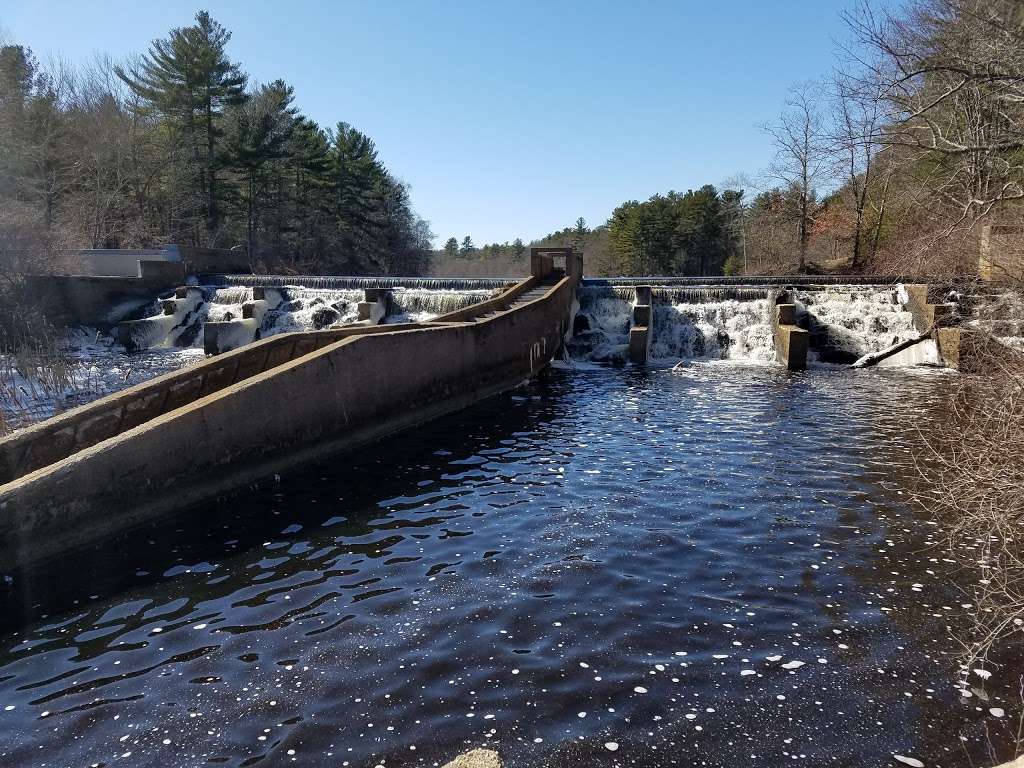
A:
(713, 566)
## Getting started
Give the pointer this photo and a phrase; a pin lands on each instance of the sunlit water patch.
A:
(714, 566)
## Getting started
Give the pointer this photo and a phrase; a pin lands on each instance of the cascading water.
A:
(716, 329)
(697, 322)
(308, 309)
(601, 326)
(847, 322)
(417, 305)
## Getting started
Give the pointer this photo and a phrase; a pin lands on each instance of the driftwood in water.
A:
(874, 358)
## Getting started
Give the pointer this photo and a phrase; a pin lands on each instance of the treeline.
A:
(893, 162)
(179, 145)
(890, 164)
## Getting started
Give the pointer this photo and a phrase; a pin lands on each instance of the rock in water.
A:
(324, 316)
(476, 758)
(913, 762)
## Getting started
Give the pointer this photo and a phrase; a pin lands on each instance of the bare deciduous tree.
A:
(802, 160)
(952, 76)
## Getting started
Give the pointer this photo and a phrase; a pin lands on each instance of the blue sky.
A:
(507, 119)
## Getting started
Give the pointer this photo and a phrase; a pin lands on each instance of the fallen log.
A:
(874, 358)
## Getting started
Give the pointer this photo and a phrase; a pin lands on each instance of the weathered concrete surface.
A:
(103, 474)
(640, 329)
(375, 305)
(1018, 763)
(927, 314)
(91, 300)
(1001, 253)
(790, 340)
(476, 758)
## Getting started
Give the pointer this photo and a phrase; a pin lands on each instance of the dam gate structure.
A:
(270, 398)
(206, 429)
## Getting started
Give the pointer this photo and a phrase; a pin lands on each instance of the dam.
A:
(559, 553)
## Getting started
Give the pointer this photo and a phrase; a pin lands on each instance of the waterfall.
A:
(337, 282)
(307, 309)
(690, 322)
(847, 322)
(600, 330)
(727, 329)
(417, 305)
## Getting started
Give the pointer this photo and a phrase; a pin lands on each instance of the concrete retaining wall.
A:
(115, 262)
(921, 301)
(970, 350)
(92, 300)
(342, 396)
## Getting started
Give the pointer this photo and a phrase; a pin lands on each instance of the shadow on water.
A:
(338, 498)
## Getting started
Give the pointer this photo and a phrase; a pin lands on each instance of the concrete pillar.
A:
(223, 336)
(790, 341)
(375, 305)
(640, 329)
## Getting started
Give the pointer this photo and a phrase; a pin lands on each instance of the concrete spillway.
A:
(184, 437)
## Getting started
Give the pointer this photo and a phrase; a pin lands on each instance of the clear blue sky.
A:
(507, 118)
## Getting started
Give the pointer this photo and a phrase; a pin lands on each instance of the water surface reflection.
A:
(707, 567)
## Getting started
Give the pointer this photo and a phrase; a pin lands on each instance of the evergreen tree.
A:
(467, 246)
(358, 201)
(258, 132)
(579, 233)
(189, 79)
(518, 247)
(451, 247)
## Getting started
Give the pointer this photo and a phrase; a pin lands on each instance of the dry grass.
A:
(37, 375)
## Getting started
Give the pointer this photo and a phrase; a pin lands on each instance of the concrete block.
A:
(639, 345)
(791, 342)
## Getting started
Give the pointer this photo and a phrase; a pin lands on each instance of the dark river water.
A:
(709, 567)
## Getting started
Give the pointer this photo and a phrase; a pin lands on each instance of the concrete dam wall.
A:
(174, 441)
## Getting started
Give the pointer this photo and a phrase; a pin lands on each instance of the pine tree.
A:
(467, 246)
(309, 162)
(257, 134)
(451, 247)
(189, 79)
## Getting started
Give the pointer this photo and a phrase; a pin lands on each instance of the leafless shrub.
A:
(972, 470)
